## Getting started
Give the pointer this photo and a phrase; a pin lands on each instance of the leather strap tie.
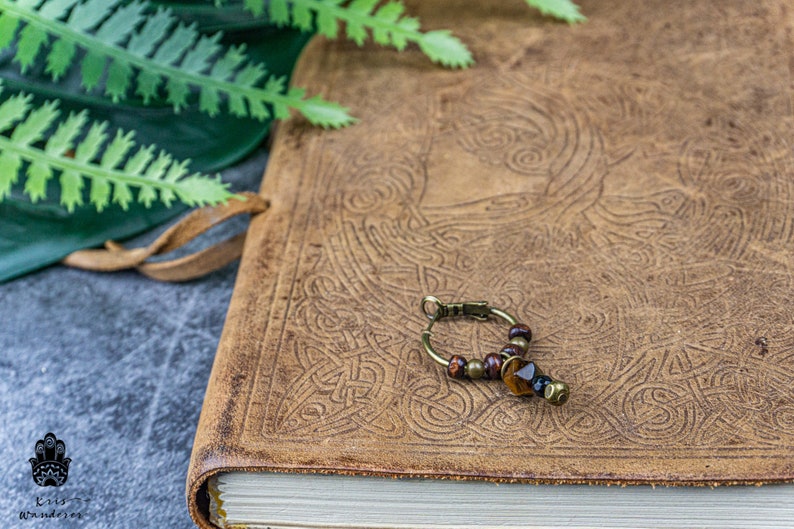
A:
(115, 257)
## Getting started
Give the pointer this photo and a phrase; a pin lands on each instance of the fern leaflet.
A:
(563, 9)
(386, 23)
(128, 41)
(111, 174)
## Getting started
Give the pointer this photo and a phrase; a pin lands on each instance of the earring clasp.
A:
(474, 309)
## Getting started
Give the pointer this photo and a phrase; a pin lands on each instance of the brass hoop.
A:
(479, 310)
(521, 376)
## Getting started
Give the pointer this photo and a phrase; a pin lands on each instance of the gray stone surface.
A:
(115, 365)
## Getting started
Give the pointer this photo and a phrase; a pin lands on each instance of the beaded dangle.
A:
(523, 377)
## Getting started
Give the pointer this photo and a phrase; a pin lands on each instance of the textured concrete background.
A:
(115, 365)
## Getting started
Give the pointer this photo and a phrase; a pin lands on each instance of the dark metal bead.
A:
(521, 342)
(557, 393)
(493, 366)
(519, 329)
(539, 384)
(456, 367)
(475, 368)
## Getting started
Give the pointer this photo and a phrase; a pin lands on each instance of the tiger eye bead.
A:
(520, 330)
(456, 367)
(493, 366)
(557, 393)
(512, 349)
(518, 373)
(475, 369)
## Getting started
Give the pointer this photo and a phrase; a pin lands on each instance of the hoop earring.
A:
(523, 377)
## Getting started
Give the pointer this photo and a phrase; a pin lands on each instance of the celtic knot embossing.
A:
(668, 276)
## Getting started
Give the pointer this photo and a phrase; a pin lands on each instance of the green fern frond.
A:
(386, 23)
(134, 44)
(112, 175)
(563, 9)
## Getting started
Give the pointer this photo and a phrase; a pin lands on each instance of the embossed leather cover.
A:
(625, 187)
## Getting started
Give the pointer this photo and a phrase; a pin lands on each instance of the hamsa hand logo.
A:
(50, 467)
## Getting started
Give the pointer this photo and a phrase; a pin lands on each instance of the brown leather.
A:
(116, 257)
(625, 187)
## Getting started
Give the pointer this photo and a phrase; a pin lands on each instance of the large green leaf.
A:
(36, 235)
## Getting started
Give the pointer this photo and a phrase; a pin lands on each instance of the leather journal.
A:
(624, 186)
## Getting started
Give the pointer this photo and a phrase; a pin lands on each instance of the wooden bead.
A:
(456, 367)
(512, 349)
(519, 329)
(493, 366)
